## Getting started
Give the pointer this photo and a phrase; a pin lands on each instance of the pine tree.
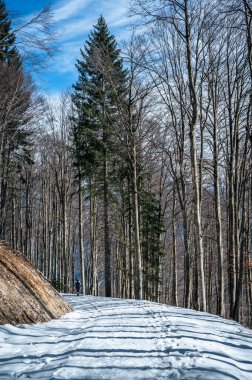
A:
(8, 51)
(15, 105)
(99, 88)
(151, 229)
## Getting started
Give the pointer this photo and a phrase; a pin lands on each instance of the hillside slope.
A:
(127, 339)
(25, 295)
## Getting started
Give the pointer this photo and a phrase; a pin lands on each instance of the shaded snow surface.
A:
(126, 339)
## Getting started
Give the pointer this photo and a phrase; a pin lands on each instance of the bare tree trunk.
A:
(138, 258)
(194, 160)
(174, 253)
(81, 237)
(93, 237)
(106, 229)
(221, 273)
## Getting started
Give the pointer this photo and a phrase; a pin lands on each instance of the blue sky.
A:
(73, 20)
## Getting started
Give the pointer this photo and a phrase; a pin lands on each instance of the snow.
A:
(108, 338)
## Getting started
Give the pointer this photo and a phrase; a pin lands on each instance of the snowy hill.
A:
(127, 339)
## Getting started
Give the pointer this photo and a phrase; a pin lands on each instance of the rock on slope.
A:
(25, 295)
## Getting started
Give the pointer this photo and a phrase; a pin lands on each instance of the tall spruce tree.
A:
(8, 51)
(15, 112)
(99, 88)
(152, 228)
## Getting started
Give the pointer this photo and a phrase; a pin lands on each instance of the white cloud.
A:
(74, 32)
(76, 27)
(115, 15)
(65, 61)
(69, 9)
(79, 16)
(74, 19)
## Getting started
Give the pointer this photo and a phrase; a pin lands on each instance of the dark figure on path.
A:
(77, 286)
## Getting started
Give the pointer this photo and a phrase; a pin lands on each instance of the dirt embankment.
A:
(25, 295)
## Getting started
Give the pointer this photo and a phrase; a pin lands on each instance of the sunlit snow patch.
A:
(106, 338)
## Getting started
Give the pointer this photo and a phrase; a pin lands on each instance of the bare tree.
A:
(34, 37)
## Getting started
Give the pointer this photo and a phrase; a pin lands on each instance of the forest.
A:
(138, 179)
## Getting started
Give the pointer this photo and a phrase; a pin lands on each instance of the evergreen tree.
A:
(99, 89)
(8, 51)
(15, 112)
(151, 229)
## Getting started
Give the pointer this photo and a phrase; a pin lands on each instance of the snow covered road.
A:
(127, 339)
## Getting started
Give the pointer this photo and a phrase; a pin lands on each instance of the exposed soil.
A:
(25, 295)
